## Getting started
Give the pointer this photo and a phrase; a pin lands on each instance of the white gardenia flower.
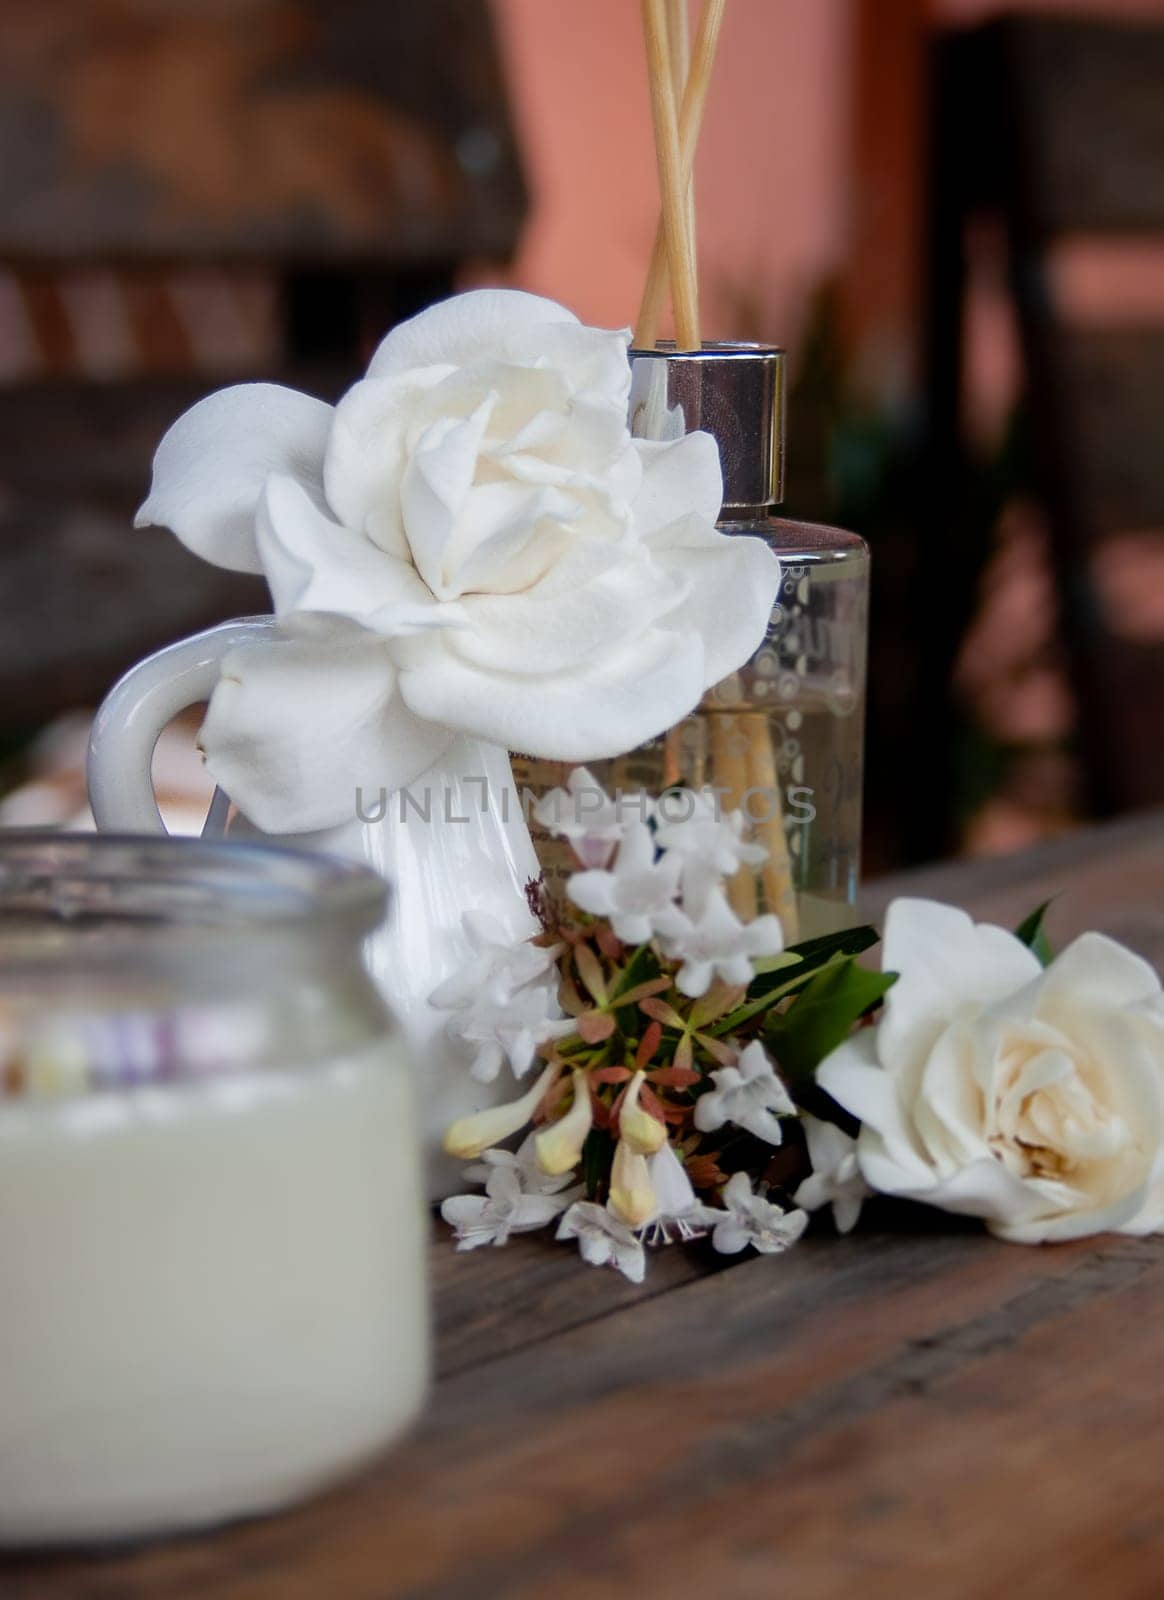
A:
(637, 894)
(469, 543)
(711, 941)
(586, 815)
(496, 970)
(510, 1029)
(679, 1215)
(751, 1220)
(749, 1095)
(1032, 1099)
(690, 824)
(507, 1206)
(836, 1174)
(604, 1240)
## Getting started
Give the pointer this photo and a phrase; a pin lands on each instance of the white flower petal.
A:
(595, 358)
(854, 1080)
(730, 1236)
(1096, 972)
(295, 726)
(672, 1186)
(211, 465)
(583, 609)
(602, 709)
(731, 582)
(367, 453)
(314, 564)
(464, 1210)
(435, 485)
(945, 961)
(680, 479)
(480, 325)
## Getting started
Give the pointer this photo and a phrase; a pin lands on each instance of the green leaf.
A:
(824, 1016)
(810, 956)
(1034, 935)
(849, 942)
(769, 993)
(766, 964)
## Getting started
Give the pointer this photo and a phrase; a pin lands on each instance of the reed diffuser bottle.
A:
(781, 739)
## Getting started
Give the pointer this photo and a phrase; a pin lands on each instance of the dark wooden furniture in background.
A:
(1054, 128)
(352, 154)
(914, 1410)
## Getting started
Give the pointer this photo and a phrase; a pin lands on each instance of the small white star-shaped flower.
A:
(715, 943)
(711, 844)
(751, 1220)
(511, 1028)
(497, 967)
(603, 1240)
(750, 1095)
(585, 814)
(637, 894)
(836, 1177)
(509, 1205)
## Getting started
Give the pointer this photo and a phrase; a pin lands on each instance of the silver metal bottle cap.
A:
(734, 392)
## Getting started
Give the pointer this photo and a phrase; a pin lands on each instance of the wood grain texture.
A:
(916, 1410)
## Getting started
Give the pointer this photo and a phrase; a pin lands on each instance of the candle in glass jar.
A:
(212, 1239)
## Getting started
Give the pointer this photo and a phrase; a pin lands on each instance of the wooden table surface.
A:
(915, 1410)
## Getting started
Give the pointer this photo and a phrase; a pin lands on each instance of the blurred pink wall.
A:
(773, 161)
(777, 162)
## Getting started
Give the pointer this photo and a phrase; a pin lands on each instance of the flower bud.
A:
(632, 1197)
(558, 1148)
(470, 1136)
(642, 1132)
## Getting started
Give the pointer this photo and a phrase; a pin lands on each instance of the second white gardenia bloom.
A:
(750, 1095)
(469, 543)
(1033, 1099)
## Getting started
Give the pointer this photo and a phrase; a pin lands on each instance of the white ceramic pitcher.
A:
(471, 852)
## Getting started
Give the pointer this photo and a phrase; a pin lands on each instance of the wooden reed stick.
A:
(679, 44)
(729, 764)
(777, 872)
(671, 186)
(690, 119)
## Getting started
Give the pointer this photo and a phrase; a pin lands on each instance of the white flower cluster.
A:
(504, 1000)
(666, 882)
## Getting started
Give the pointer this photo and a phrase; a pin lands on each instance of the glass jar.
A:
(212, 1233)
(782, 739)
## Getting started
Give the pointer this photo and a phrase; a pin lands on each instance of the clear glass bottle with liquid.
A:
(781, 739)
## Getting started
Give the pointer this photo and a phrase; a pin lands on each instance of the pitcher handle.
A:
(131, 718)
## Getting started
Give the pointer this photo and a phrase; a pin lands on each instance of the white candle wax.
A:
(213, 1296)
